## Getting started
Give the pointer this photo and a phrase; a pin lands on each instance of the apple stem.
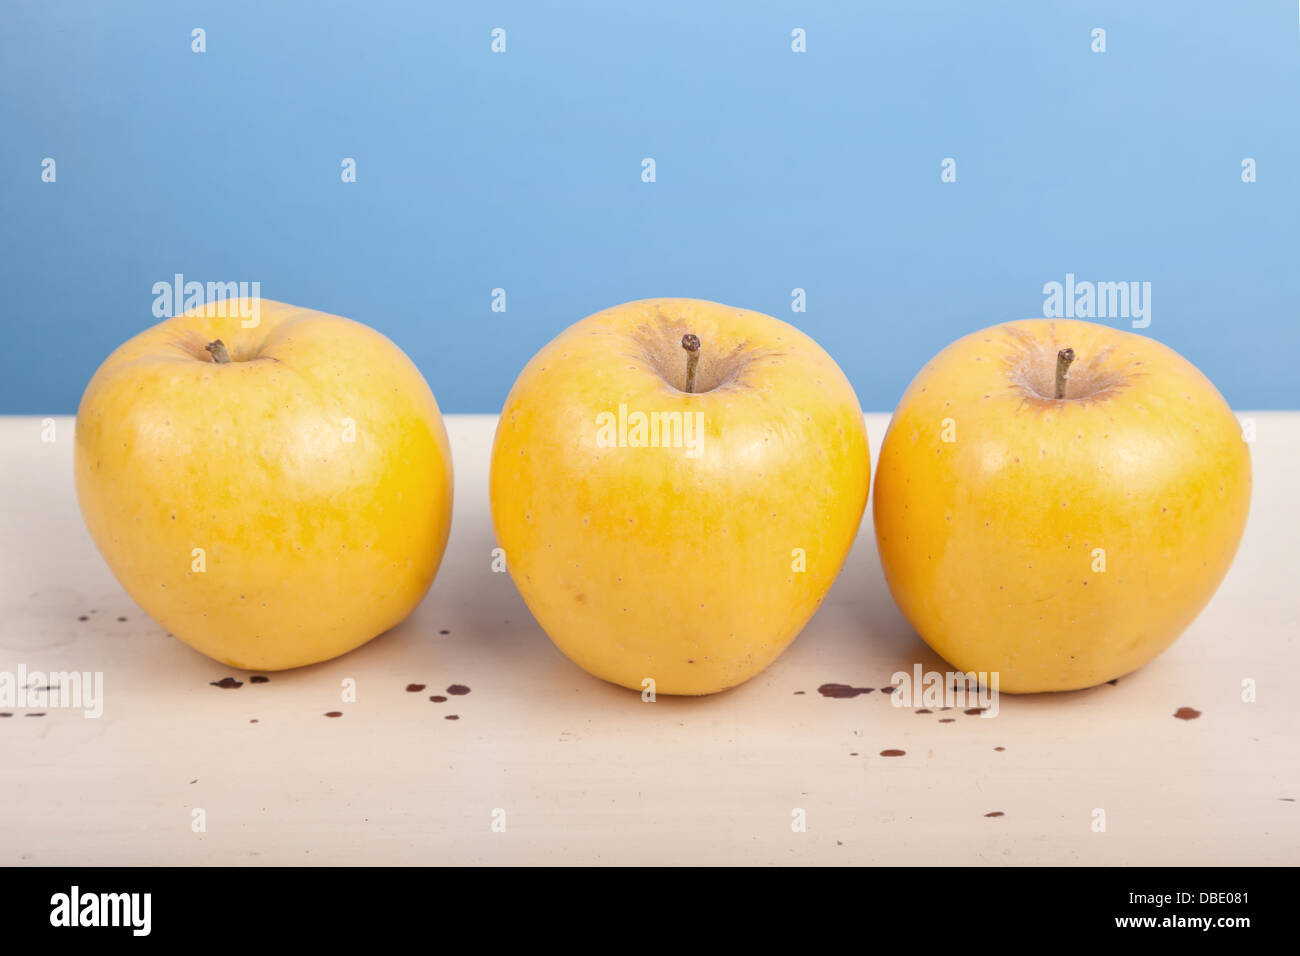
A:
(691, 342)
(217, 349)
(1063, 360)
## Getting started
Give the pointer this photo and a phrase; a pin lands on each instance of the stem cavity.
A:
(691, 342)
(1063, 360)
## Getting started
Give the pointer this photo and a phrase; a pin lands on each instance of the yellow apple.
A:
(1059, 541)
(273, 500)
(676, 484)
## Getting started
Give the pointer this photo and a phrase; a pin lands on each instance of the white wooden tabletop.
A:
(572, 770)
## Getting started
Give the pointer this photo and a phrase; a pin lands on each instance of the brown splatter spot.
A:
(995, 813)
(893, 753)
(335, 713)
(40, 714)
(924, 711)
(853, 754)
(798, 692)
(458, 690)
(414, 688)
(999, 749)
(121, 620)
(6, 715)
(452, 717)
(259, 679)
(1187, 713)
(448, 632)
(226, 683)
(947, 720)
(969, 712)
(437, 698)
(1283, 799)
(1113, 683)
(83, 618)
(842, 691)
(194, 781)
(888, 690)
(253, 721)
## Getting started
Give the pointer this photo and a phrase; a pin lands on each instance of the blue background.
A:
(775, 170)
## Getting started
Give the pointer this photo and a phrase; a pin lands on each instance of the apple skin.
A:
(644, 563)
(313, 544)
(987, 542)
